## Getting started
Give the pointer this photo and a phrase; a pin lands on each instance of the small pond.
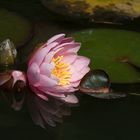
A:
(106, 42)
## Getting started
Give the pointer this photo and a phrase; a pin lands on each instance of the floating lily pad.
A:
(107, 47)
(116, 11)
(14, 27)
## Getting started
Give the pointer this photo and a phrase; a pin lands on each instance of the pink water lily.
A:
(56, 69)
(54, 73)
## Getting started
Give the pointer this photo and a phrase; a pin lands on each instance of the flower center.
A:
(61, 71)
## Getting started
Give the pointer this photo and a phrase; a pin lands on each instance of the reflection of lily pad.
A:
(106, 47)
(14, 27)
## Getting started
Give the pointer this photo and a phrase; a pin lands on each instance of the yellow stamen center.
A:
(61, 71)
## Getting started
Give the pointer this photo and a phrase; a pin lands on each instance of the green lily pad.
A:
(106, 47)
(14, 27)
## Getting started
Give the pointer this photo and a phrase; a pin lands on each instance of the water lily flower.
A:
(55, 69)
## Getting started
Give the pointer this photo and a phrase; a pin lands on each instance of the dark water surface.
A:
(94, 119)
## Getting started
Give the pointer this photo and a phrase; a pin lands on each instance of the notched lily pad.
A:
(105, 48)
(132, 65)
(14, 27)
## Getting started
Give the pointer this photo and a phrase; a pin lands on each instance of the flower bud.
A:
(8, 55)
(13, 84)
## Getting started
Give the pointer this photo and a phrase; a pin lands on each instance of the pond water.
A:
(95, 119)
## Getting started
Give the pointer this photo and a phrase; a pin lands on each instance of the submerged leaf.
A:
(131, 64)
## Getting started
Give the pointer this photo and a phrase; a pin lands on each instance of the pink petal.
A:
(57, 38)
(80, 63)
(33, 73)
(39, 56)
(67, 40)
(69, 58)
(67, 48)
(54, 94)
(75, 84)
(18, 76)
(46, 68)
(46, 82)
(49, 57)
(79, 68)
(79, 75)
(70, 99)
(63, 89)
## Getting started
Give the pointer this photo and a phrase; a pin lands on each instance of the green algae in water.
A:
(14, 27)
(105, 47)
